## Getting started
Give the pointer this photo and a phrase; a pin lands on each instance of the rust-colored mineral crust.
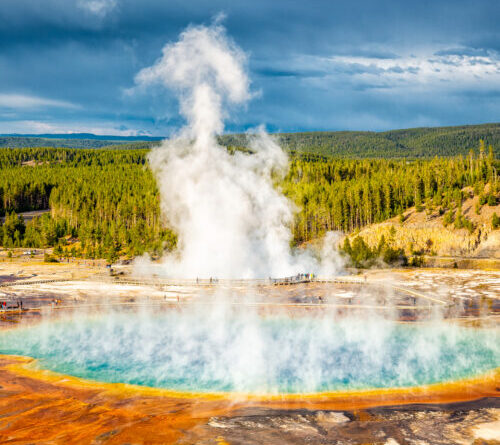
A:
(43, 407)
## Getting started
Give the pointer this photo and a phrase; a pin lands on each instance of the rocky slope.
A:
(424, 232)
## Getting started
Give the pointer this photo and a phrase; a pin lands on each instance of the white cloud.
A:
(99, 8)
(40, 127)
(444, 71)
(21, 101)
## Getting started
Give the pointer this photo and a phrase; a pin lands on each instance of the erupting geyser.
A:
(230, 219)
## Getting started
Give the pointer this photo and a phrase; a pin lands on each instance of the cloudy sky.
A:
(69, 65)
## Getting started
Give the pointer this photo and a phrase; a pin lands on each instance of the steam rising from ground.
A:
(230, 219)
(232, 222)
(236, 349)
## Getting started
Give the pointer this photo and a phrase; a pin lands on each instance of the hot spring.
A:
(224, 349)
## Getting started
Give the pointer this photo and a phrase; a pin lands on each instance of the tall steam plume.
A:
(230, 219)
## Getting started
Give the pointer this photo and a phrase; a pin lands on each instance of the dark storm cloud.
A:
(320, 65)
(276, 72)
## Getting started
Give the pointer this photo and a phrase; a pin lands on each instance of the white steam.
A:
(230, 219)
(231, 348)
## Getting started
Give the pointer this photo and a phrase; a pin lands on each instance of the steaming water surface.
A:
(229, 350)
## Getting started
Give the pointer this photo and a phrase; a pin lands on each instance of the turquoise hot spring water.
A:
(224, 350)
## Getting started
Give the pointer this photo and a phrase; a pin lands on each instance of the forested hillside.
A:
(106, 198)
(31, 141)
(410, 144)
(105, 202)
(348, 194)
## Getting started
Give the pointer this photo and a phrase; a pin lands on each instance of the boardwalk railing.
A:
(209, 282)
(232, 282)
(155, 281)
(30, 283)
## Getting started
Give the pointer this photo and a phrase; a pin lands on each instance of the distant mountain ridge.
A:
(425, 142)
(95, 142)
(85, 136)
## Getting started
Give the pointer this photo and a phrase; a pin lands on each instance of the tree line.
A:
(104, 203)
(422, 143)
(348, 194)
(105, 199)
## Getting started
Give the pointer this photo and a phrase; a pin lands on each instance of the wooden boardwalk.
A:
(167, 284)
